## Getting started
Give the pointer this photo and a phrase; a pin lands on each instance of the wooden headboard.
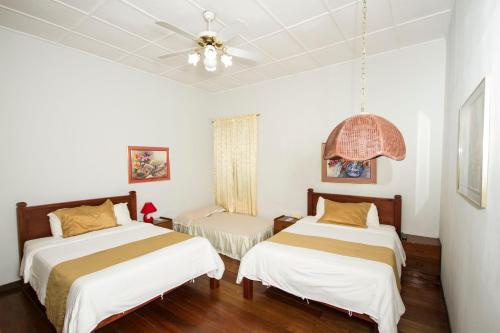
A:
(389, 210)
(32, 221)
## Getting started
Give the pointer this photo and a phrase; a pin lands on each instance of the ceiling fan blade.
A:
(173, 54)
(231, 30)
(175, 29)
(244, 54)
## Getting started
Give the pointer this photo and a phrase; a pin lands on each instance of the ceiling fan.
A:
(212, 45)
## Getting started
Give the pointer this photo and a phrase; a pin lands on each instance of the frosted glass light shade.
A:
(210, 64)
(210, 60)
(364, 137)
(227, 60)
(210, 53)
(210, 68)
(193, 58)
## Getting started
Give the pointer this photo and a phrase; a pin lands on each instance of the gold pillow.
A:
(352, 214)
(83, 219)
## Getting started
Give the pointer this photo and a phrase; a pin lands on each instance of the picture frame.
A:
(343, 171)
(148, 164)
(473, 145)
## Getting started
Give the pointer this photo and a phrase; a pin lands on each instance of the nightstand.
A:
(164, 222)
(423, 255)
(283, 222)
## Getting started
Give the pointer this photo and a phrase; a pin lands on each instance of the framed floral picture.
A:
(345, 171)
(148, 164)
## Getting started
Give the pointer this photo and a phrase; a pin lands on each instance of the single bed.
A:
(230, 234)
(103, 296)
(364, 288)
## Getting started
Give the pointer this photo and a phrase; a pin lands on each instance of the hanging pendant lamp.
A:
(365, 136)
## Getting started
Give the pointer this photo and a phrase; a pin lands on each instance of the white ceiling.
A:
(291, 35)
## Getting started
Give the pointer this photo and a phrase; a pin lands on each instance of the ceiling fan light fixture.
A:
(226, 59)
(194, 58)
(211, 45)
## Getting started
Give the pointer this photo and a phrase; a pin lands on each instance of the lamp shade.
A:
(364, 137)
(148, 208)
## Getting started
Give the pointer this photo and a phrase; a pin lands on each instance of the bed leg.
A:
(214, 283)
(247, 288)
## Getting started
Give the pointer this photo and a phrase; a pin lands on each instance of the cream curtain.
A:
(235, 158)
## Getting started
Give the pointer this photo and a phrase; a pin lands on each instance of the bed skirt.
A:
(229, 244)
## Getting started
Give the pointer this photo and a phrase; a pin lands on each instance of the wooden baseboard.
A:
(11, 286)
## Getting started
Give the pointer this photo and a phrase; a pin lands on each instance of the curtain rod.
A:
(257, 114)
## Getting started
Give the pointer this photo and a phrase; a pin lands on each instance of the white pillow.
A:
(320, 207)
(202, 212)
(55, 225)
(372, 217)
(213, 210)
(122, 213)
(188, 217)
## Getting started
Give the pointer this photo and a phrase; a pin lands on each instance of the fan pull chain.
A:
(363, 59)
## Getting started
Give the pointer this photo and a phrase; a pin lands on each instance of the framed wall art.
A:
(344, 171)
(148, 164)
(473, 140)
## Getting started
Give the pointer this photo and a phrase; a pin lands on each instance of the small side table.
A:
(164, 222)
(423, 254)
(283, 222)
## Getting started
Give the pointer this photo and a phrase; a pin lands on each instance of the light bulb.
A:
(193, 58)
(227, 60)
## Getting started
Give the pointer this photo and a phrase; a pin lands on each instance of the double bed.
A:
(230, 234)
(104, 295)
(349, 278)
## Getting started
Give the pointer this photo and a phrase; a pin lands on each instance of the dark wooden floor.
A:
(196, 308)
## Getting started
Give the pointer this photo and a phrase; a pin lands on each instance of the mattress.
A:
(230, 234)
(96, 296)
(355, 284)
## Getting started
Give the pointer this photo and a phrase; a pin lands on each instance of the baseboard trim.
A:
(11, 286)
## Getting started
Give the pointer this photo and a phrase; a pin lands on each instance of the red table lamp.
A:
(148, 208)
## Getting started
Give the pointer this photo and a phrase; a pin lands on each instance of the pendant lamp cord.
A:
(363, 58)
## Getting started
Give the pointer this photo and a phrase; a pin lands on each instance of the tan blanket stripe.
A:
(64, 274)
(351, 249)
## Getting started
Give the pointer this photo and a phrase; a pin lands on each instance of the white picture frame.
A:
(473, 142)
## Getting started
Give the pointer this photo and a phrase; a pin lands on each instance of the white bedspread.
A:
(118, 288)
(231, 234)
(354, 284)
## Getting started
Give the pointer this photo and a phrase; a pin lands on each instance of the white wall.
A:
(470, 237)
(66, 119)
(298, 112)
